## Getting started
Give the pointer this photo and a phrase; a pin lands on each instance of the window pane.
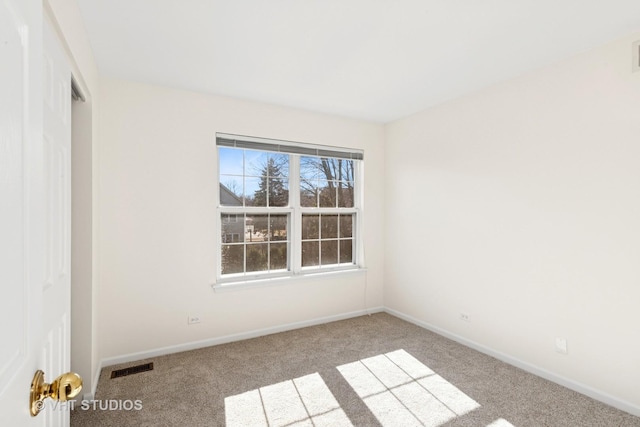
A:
(329, 226)
(345, 194)
(278, 256)
(252, 192)
(346, 251)
(278, 227)
(309, 195)
(346, 170)
(230, 238)
(233, 238)
(231, 190)
(232, 259)
(346, 226)
(257, 228)
(230, 161)
(327, 191)
(264, 191)
(257, 257)
(329, 252)
(310, 168)
(281, 164)
(278, 192)
(255, 163)
(333, 169)
(310, 227)
(328, 168)
(227, 218)
(277, 171)
(232, 228)
(260, 229)
(310, 254)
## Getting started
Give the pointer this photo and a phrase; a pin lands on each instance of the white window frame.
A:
(295, 212)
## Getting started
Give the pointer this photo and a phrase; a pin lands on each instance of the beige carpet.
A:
(373, 370)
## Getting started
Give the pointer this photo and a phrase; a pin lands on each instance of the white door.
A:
(57, 165)
(34, 220)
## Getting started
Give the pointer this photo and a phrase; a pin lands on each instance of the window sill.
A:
(284, 280)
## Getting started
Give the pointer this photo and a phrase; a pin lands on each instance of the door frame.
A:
(64, 18)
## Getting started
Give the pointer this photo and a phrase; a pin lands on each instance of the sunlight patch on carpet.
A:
(304, 401)
(400, 390)
(500, 423)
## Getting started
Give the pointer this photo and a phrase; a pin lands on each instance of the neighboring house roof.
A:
(228, 197)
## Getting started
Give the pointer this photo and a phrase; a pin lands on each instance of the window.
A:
(285, 208)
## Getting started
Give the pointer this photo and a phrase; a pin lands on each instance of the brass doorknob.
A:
(65, 387)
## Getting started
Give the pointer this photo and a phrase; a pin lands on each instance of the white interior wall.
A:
(518, 206)
(158, 180)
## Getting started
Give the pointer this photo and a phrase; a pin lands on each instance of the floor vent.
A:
(132, 370)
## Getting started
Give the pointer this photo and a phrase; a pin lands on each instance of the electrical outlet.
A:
(561, 346)
(464, 317)
(193, 319)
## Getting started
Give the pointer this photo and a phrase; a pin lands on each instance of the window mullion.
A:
(335, 211)
(254, 210)
(358, 241)
(296, 216)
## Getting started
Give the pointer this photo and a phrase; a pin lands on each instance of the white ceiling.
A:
(377, 60)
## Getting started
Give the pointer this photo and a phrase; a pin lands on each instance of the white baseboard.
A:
(548, 375)
(543, 373)
(230, 338)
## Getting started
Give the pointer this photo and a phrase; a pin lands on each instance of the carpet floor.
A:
(367, 371)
